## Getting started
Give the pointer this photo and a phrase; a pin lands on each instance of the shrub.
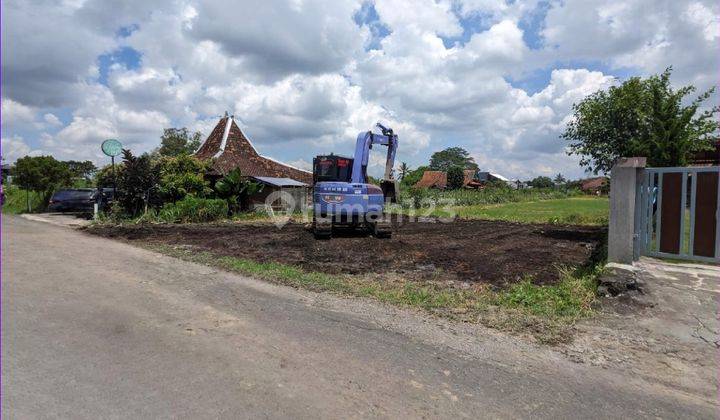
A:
(192, 209)
(412, 177)
(415, 197)
(104, 177)
(182, 175)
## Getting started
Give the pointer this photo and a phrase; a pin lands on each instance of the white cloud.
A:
(433, 16)
(52, 119)
(41, 67)
(15, 112)
(502, 42)
(312, 36)
(300, 82)
(14, 147)
(641, 34)
(302, 164)
(100, 117)
(702, 16)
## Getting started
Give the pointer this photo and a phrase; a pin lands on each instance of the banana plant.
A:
(235, 188)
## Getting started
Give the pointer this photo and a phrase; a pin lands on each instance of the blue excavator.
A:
(342, 194)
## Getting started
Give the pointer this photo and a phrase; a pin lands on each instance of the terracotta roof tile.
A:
(433, 179)
(240, 153)
(438, 179)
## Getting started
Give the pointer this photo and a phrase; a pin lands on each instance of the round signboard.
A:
(111, 147)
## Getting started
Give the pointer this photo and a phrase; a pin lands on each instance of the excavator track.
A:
(382, 229)
(322, 228)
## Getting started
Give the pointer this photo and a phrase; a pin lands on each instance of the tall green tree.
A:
(178, 141)
(403, 170)
(641, 117)
(559, 180)
(541, 182)
(455, 178)
(41, 174)
(135, 182)
(452, 156)
(81, 169)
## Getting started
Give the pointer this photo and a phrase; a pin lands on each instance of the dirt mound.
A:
(492, 252)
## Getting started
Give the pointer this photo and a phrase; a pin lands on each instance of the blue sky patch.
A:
(532, 25)
(472, 24)
(368, 16)
(126, 31)
(127, 57)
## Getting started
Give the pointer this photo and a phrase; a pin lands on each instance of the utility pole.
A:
(112, 161)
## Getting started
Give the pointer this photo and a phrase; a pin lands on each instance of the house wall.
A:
(299, 195)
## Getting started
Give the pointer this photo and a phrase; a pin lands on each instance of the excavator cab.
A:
(332, 168)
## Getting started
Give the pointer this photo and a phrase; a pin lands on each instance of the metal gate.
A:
(678, 213)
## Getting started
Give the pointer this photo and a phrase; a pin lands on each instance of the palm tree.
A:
(403, 170)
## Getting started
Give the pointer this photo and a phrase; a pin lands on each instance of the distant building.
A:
(707, 158)
(485, 177)
(595, 186)
(438, 179)
(432, 179)
(472, 179)
(6, 172)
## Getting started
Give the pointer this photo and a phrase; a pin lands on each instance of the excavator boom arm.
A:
(364, 143)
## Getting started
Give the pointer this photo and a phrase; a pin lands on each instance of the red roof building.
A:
(438, 179)
(229, 148)
(594, 185)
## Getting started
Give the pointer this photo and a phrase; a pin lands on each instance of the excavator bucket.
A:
(390, 189)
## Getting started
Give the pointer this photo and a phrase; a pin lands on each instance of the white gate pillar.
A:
(624, 180)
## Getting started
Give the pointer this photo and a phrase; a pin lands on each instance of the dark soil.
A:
(492, 252)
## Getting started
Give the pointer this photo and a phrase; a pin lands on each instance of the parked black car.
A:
(79, 200)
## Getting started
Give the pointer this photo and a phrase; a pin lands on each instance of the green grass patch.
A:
(545, 312)
(574, 210)
(425, 197)
(570, 298)
(16, 200)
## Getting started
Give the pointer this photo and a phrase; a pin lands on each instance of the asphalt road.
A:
(93, 328)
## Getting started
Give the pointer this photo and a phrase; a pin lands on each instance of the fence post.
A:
(624, 178)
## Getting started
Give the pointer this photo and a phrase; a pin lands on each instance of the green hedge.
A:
(192, 209)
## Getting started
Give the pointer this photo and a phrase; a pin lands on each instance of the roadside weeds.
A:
(544, 312)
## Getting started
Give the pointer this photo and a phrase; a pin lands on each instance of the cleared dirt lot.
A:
(491, 252)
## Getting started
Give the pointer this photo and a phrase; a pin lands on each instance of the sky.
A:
(304, 77)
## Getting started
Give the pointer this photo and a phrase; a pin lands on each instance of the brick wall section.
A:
(239, 153)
